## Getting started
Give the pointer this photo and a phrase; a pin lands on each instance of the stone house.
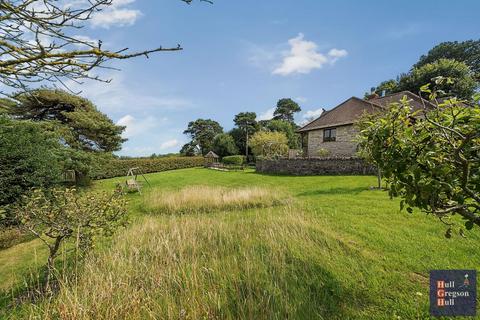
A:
(333, 133)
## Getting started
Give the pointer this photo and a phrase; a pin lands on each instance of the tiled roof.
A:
(352, 109)
(345, 113)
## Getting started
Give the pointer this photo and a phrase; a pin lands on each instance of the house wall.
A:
(344, 146)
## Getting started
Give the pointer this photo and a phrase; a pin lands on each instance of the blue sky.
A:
(245, 55)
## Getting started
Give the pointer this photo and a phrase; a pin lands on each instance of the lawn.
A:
(331, 249)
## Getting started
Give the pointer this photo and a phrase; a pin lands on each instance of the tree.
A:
(269, 144)
(224, 145)
(202, 132)
(39, 42)
(288, 128)
(467, 52)
(285, 110)
(82, 126)
(59, 215)
(463, 86)
(29, 158)
(246, 122)
(387, 87)
(429, 159)
(189, 149)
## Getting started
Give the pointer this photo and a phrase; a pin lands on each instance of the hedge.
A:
(234, 160)
(117, 168)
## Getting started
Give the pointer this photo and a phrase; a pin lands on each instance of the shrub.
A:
(234, 160)
(29, 158)
(269, 144)
(56, 216)
(432, 162)
(118, 167)
(12, 236)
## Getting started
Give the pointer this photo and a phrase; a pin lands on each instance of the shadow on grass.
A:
(300, 289)
(352, 191)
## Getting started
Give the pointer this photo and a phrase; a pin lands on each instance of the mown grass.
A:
(338, 251)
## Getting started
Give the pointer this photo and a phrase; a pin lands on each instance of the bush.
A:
(13, 236)
(234, 160)
(118, 168)
(29, 158)
(269, 145)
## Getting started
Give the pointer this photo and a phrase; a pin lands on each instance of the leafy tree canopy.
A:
(190, 149)
(429, 159)
(77, 119)
(286, 108)
(202, 132)
(463, 85)
(464, 51)
(29, 157)
(288, 128)
(224, 145)
(246, 121)
(269, 144)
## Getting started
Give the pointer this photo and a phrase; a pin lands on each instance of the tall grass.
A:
(202, 199)
(205, 267)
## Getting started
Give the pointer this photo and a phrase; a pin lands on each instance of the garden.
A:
(210, 244)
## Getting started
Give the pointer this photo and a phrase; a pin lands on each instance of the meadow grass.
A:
(207, 199)
(338, 251)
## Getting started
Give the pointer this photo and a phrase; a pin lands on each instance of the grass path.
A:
(337, 251)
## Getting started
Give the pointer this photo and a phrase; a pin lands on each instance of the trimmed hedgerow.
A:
(234, 160)
(118, 168)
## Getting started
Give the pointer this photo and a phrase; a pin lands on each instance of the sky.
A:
(246, 55)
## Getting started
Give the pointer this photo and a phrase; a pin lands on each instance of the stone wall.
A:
(343, 146)
(316, 166)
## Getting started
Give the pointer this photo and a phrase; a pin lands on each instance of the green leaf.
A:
(469, 225)
(409, 210)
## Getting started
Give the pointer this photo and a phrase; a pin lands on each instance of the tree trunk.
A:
(51, 263)
(246, 148)
(379, 177)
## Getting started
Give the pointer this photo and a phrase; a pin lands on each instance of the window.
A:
(329, 134)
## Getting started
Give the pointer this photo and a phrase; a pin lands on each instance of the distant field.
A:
(321, 248)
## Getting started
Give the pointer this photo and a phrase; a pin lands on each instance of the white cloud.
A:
(312, 114)
(304, 57)
(135, 127)
(267, 115)
(301, 99)
(121, 95)
(169, 144)
(336, 54)
(117, 14)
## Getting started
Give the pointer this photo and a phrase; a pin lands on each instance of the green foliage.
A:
(286, 127)
(269, 144)
(118, 168)
(202, 132)
(59, 215)
(224, 145)
(10, 236)
(190, 150)
(29, 158)
(464, 51)
(285, 110)
(431, 160)
(462, 87)
(388, 87)
(76, 119)
(237, 160)
(246, 125)
(456, 60)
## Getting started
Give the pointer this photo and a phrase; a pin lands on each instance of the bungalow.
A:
(334, 133)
